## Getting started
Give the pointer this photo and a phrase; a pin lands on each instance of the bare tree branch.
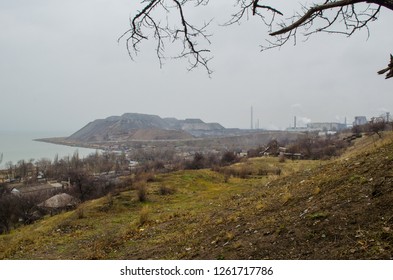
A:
(313, 10)
(256, 5)
(330, 16)
(388, 69)
(189, 45)
(346, 17)
(188, 34)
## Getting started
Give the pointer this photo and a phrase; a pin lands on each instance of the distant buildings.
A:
(326, 127)
(333, 127)
(360, 120)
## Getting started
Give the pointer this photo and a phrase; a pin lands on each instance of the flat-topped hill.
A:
(133, 126)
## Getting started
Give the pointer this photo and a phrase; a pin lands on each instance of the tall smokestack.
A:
(252, 119)
(294, 122)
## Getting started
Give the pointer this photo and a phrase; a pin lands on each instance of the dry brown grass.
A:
(314, 210)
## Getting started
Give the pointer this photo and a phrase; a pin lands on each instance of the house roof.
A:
(15, 190)
(56, 185)
(38, 188)
(59, 201)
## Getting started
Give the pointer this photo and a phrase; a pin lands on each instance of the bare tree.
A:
(376, 125)
(7, 213)
(167, 22)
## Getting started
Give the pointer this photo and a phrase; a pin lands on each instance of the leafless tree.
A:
(16, 209)
(167, 21)
(376, 125)
(7, 213)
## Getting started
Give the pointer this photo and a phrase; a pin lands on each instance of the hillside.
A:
(338, 209)
(130, 126)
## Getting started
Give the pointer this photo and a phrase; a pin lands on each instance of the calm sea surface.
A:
(16, 146)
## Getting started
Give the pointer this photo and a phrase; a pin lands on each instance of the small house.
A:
(59, 202)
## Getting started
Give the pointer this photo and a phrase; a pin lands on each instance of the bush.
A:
(226, 177)
(228, 158)
(80, 212)
(311, 146)
(198, 162)
(144, 215)
(142, 192)
(263, 172)
(164, 190)
(245, 172)
(145, 177)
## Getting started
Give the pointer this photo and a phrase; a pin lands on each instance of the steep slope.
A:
(192, 124)
(340, 209)
(105, 129)
(159, 134)
(126, 125)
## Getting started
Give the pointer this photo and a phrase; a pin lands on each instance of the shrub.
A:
(227, 176)
(142, 192)
(144, 215)
(198, 162)
(145, 177)
(262, 172)
(228, 157)
(245, 172)
(164, 190)
(108, 203)
(80, 212)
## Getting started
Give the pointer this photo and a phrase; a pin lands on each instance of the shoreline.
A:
(243, 142)
(64, 142)
(17, 150)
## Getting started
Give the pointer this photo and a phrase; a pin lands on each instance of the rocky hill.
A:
(133, 126)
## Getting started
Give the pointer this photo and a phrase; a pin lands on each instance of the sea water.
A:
(16, 146)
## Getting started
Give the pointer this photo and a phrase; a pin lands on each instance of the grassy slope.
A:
(339, 209)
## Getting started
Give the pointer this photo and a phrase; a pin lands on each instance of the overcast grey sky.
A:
(61, 67)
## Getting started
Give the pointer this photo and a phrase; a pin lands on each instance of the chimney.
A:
(252, 119)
